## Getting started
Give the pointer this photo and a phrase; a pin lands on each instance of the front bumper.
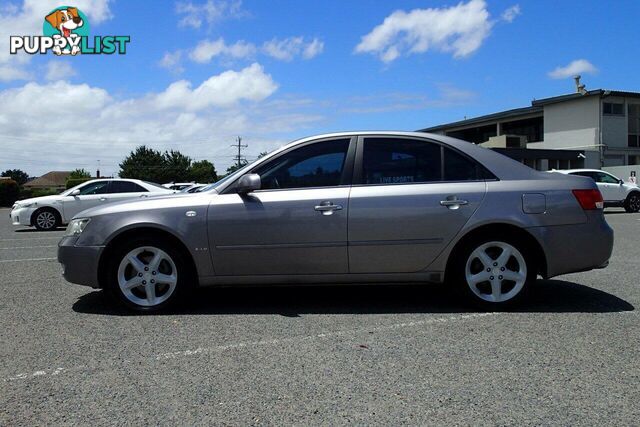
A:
(21, 216)
(79, 263)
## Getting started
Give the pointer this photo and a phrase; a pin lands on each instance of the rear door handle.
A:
(103, 199)
(327, 208)
(453, 203)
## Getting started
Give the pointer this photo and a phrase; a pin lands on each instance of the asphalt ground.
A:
(385, 355)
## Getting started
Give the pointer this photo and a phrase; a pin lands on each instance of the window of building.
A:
(315, 165)
(531, 128)
(634, 125)
(634, 160)
(613, 108)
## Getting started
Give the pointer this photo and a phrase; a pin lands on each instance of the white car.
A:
(177, 185)
(48, 212)
(193, 188)
(615, 192)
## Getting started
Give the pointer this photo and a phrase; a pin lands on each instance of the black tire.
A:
(632, 203)
(457, 272)
(182, 272)
(46, 219)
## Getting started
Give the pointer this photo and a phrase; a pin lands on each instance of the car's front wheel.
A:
(632, 203)
(147, 274)
(494, 272)
(46, 219)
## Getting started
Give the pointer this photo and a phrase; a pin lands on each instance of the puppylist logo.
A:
(66, 32)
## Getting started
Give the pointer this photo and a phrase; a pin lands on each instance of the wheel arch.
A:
(492, 229)
(55, 211)
(142, 231)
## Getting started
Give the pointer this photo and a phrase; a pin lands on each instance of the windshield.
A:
(67, 192)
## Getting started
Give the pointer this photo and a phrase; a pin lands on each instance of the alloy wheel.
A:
(147, 276)
(46, 220)
(634, 203)
(496, 272)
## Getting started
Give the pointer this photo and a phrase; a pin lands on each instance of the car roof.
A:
(581, 170)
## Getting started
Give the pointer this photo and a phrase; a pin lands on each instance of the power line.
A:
(239, 158)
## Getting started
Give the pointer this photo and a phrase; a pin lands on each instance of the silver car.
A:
(355, 207)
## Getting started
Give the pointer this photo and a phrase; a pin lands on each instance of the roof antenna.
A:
(580, 88)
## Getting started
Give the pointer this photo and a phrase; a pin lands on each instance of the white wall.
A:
(572, 124)
(623, 172)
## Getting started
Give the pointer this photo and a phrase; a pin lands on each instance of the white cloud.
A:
(511, 13)
(209, 12)
(222, 90)
(27, 19)
(61, 125)
(579, 66)
(447, 95)
(58, 69)
(287, 49)
(459, 29)
(13, 72)
(172, 61)
(207, 49)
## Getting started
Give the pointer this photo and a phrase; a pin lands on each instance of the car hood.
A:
(178, 200)
(42, 199)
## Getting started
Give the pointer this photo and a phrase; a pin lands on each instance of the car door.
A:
(295, 224)
(409, 198)
(123, 190)
(609, 187)
(91, 195)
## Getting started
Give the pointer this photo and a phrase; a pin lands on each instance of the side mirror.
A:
(75, 192)
(248, 183)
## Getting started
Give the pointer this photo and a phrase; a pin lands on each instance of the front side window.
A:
(606, 178)
(316, 165)
(99, 187)
(393, 161)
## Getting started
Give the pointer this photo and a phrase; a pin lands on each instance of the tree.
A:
(176, 167)
(262, 154)
(203, 171)
(9, 192)
(144, 163)
(231, 169)
(17, 175)
(79, 174)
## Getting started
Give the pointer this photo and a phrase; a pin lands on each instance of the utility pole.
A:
(239, 158)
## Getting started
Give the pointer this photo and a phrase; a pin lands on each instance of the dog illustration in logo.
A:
(65, 21)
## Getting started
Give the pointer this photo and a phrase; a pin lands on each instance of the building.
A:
(591, 129)
(50, 181)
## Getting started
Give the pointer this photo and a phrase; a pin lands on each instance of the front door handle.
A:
(327, 208)
(103, 199)
(453, 203)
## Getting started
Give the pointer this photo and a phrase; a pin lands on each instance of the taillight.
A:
(589, 199)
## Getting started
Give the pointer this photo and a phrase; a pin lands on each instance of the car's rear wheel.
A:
(46, 219)
(632, 203)
(494, 272)
(147, 274)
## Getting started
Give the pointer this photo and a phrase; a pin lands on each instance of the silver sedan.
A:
(356, 207)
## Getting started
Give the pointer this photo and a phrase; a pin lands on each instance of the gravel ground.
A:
(386, 355)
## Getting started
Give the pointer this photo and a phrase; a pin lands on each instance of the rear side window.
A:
(460, 168)
(393, 161)
(126, 187)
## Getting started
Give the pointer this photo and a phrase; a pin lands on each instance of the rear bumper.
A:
(79, 263)
(577, 247)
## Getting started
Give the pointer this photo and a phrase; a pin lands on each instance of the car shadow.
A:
(548, 296)
(33, 230)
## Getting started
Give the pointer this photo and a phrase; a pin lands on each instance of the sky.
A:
(199, 73)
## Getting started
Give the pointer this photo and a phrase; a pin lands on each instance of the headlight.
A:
(76, 227)
(23, 205)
